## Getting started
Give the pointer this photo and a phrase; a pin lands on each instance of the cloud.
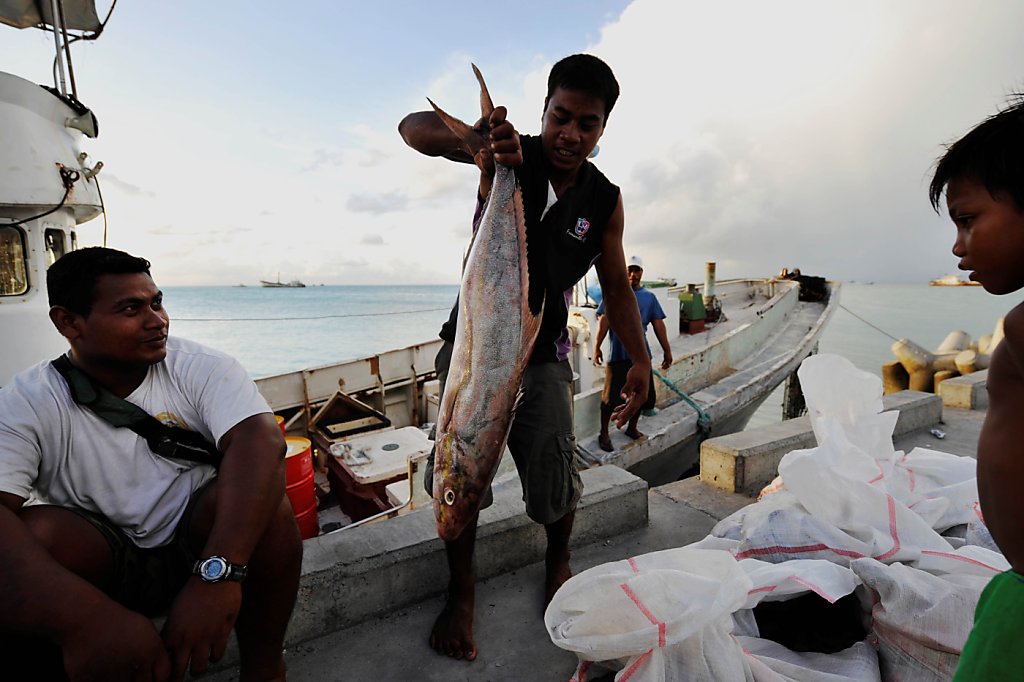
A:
(377, 204)
(758, 135)
(797, 133)
(108, 178)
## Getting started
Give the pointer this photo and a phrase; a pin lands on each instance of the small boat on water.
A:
(952, 281)
(294, 284)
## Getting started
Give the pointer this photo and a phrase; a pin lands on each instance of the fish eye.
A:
(449, 497)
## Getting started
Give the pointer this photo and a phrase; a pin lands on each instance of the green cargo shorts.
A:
(541, 440)
(148, 580)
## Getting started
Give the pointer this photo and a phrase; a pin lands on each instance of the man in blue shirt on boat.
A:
(619, 363)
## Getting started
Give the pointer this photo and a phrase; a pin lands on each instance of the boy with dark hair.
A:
(574, 219)
(982, 175)
(118, 532)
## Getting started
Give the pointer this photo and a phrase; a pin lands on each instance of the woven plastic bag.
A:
(633, 611)
(671, 615)
(921, 619)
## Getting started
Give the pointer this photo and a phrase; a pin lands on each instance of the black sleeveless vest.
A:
(561, 247)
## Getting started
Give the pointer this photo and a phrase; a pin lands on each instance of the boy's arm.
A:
(602, 331)
(250, 487)
(1001, 444)
(100, 639)
(624, 315)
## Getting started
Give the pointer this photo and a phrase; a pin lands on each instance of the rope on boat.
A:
(292, 319)
(868, 323)
(703, 420)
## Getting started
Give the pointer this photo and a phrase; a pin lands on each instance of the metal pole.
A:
(55, 16)
(67, 49)
(709, 282)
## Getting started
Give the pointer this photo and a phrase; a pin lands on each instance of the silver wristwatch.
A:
(216, 569)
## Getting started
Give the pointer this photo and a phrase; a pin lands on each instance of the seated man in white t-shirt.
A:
(115, 532)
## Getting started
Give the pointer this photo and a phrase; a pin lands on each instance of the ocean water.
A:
(272, 331)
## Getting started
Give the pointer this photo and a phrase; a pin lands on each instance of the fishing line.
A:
(293, 319)
(868, 323)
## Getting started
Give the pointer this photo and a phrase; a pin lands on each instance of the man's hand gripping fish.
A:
(493, 341)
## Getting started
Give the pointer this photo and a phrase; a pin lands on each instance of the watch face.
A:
(213, 569)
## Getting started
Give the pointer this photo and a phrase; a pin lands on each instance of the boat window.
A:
(54, 245)
(74, 240)
(13, 267)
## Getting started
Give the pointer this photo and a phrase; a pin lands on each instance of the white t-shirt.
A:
(66, 455)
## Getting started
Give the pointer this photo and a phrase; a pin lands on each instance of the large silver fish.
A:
(493, 340)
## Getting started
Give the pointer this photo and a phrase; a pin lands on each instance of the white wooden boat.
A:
(728, 370)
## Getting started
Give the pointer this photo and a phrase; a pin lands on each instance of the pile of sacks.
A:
(900, 536)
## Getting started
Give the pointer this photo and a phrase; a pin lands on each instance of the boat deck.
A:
(730, 395)
(510, 634)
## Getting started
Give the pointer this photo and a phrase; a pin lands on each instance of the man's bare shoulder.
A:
(1006, 371)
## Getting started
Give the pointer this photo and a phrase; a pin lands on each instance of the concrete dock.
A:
(377, 589)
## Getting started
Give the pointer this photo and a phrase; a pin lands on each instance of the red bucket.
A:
(298, 459)
(299, 484)
(302, 494)
(309, 523)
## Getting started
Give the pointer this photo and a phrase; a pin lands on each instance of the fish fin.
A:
(486, 105)
(472, 141)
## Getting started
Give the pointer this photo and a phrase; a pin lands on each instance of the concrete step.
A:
(350, 576)
(966, 392)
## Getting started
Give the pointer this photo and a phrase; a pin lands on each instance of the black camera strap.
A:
(163, 439)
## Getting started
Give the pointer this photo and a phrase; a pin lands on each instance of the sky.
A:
(242, 141)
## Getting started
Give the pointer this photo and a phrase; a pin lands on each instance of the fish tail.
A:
(486, 105)
(472, 141)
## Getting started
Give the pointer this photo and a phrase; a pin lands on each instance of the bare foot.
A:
(453, 630)
(634, 433)
(605, 441)
(558, 572)
(269, 672)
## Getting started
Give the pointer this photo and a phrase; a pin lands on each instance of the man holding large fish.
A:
(504, 366)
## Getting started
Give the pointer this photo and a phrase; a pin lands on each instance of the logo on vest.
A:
(580, 231)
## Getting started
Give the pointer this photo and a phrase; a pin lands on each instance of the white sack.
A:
(779, 664)
(921, 619)
(633, 610)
